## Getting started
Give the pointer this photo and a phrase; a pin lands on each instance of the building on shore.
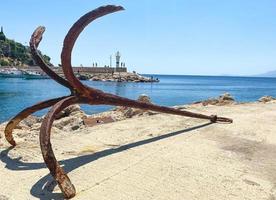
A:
(94, 69)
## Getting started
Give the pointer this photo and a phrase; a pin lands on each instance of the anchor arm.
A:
(34, 42)
(56, 170)
(110, 99)
(71, 38)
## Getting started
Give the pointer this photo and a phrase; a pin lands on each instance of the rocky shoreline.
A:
(73, 118)
(117, 77)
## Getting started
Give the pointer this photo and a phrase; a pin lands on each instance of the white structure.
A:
(118, 56)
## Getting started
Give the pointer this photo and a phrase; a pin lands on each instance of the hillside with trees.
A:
(13, 53)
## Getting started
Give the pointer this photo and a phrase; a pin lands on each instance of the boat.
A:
(34, 75)
(11, 73)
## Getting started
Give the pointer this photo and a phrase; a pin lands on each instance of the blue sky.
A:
(201, 37)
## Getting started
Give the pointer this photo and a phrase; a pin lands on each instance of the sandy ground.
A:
(154, 157)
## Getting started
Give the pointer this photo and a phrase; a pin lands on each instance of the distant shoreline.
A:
(241, 76)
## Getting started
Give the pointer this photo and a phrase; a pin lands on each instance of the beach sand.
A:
(153, 157)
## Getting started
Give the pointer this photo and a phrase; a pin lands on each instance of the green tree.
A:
(17, 53)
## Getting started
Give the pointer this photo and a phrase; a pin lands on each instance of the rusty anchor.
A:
(80, 94)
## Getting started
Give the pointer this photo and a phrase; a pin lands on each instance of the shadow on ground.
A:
(43, 189)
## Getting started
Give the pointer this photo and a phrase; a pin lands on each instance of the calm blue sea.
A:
(16, 94)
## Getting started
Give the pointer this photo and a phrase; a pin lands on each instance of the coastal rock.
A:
(119, 77)
(127, 112)
(144, 98)
(35, 127)
(222, 100)
(70, 110)
(226, 97)
(31, 120)
(117, 114)
(70, 119)
(70, 123)
(27, 123)
(266, 99)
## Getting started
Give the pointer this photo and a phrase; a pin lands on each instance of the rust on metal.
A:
(25, 113)
(80, 93)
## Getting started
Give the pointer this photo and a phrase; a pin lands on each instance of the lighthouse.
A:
(118, 56)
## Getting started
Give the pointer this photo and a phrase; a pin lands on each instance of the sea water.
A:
(17, 94)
